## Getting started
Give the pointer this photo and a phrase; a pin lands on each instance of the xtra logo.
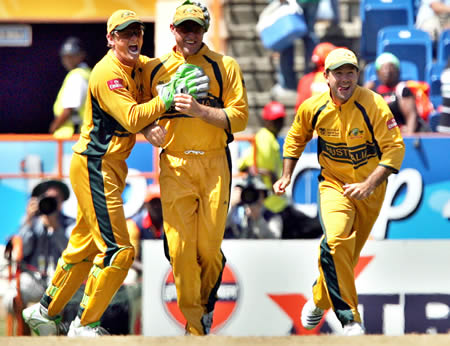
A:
(228, 295)
(292, 304)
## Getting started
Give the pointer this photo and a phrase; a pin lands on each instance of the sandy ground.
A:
(409, 340)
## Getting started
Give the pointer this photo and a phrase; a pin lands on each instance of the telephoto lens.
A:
(47, 205)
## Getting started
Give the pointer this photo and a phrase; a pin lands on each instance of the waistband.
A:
(191, 153)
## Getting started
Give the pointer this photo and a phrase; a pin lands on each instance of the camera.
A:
(47, 205)
(251, 190)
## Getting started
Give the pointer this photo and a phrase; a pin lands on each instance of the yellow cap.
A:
(340, 56)
(189, 12)
(120, 19)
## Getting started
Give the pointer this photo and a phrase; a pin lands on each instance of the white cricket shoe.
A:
(90, 330)
(207, 321)
(354, 329)
(311, 315)
(37, 318)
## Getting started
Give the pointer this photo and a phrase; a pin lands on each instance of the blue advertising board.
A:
(417, 203)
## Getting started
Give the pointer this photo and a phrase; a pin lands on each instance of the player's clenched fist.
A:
(155, 134)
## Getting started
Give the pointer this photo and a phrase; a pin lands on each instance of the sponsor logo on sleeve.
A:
(391, 123)
(115, 84)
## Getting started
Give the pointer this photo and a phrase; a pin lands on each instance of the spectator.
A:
(433, 17)
(248, 217)
(444, 119)
(69, 106)
(44, 232)
(314, 82)
(287, 80)
(268, 154)
(399, 97)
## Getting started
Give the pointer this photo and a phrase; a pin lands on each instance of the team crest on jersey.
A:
(115, 84)
(355, 133)
(329, 132)
(391, 123)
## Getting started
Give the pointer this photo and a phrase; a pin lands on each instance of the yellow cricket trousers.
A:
(195, 192)
(347, 224)
(99, 247)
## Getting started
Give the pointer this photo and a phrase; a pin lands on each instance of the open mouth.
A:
(133, 49)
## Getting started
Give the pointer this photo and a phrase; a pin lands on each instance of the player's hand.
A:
(280, 185)
(187, 104)
(155, 134)
(358, 191)
(32, 210)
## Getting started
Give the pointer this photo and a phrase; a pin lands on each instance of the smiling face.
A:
(188, 37)
(342, 82)
(127, 43)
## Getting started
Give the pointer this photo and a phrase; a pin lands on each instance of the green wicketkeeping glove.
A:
(189, 79)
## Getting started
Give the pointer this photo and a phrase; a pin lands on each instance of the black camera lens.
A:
(48, 205)
(250, 195)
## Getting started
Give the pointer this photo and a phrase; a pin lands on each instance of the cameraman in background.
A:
(44, 232)
(248, 217)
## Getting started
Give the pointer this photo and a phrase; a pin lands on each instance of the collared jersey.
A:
(352, 138)
(227, 91)
(113, 113)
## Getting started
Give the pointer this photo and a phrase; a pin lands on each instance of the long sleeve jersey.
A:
(352, 138)
(227, 91)
(113, 113)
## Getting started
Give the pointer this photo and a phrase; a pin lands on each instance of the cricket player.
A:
(99, 247)
(359, 146)
(195, 164)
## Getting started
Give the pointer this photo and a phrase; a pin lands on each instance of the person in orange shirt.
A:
(314, 82)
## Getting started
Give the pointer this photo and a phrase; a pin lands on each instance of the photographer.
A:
(248, 217)
(44, 232)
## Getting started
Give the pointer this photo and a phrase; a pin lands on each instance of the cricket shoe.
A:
(89, 330)
(207, 321)
(354, 329)
(311, 315)
(37, 318)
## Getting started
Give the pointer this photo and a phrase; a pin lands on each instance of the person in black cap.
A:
(69, 107)
(44, 232)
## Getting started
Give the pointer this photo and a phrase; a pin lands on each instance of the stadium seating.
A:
(408, 71)
(434, 71)
(407, 44)
(377, 14)
(443, 47)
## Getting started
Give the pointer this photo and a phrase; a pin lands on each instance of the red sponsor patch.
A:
(115, 84)
(391, 124)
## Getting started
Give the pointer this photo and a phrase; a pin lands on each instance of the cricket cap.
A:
(120, 19)
(188, 11)
(273, 110)
(339, 57)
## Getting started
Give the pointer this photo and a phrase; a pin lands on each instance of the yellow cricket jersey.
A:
(227, 91)
(353, 138)
(113, 113)
(268, 155)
